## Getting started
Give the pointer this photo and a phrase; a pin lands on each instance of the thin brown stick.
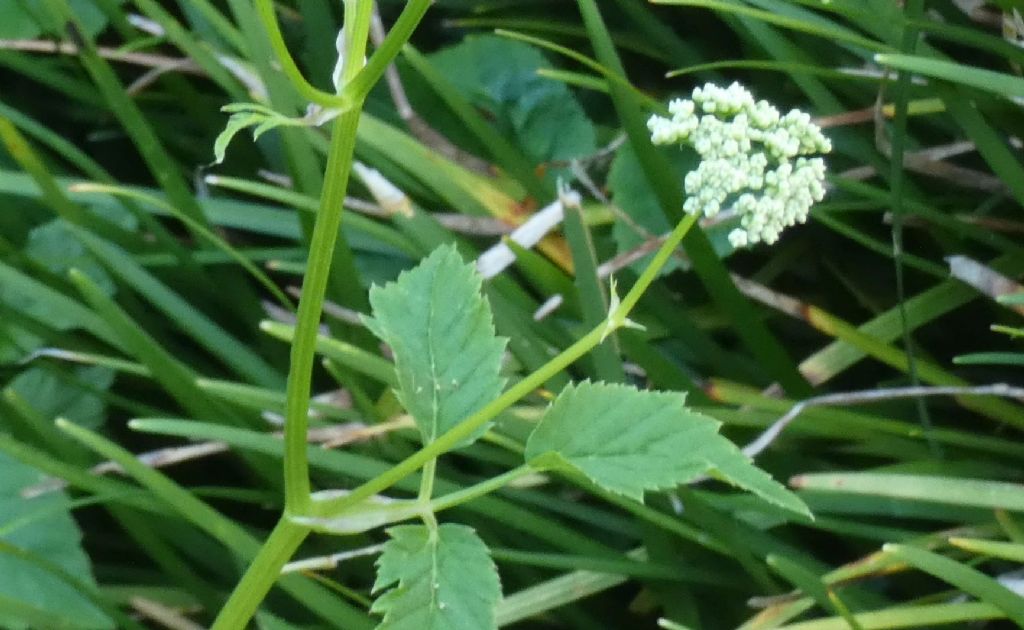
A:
(148, 60)
(332, 309)
(930, 161)
(419, 127)
(326, 563)
(598, 156)
(979, 12)
(163, 615)
(984, 279)
(366, 432)
(150, 76)
(328, 437)
(864, 397)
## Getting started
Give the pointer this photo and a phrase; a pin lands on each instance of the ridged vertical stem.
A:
(318, 269)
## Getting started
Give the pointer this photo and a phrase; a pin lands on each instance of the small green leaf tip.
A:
(630, 441)
(751, 155)
(261, 118)
(441, 579)
(441, 332)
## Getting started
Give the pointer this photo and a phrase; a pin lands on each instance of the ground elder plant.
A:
(430, 440)
(432, 574)
(448, 362)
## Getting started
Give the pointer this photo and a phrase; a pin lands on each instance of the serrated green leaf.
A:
(441, 580)
(441, 332)
(628, 441)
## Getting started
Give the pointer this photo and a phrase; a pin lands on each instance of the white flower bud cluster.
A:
(751, 155)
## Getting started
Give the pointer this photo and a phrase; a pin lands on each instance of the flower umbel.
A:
(751, 155)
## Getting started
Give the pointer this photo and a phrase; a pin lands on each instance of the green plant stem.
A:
(901, 97)
(265, 8)
(396, 38)
(426, 492)
(261, 575)
(318, 268)
(606, 358)
(288, 535)
(427, 509)
(427, 482)
(487, 486)
(360, 83)
(303, 350)
(461, 431)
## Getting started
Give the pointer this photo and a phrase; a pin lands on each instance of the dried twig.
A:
(771, 298)
(984, 279)
(328, 437)
(149, 60)
(581, 175)
(163, 615)
(159, 63)
(419, 127)
(773, 432)
(150, 76)
(391, 200)
(473, 226)
(332, 309)
(498, 257)
(994, 224)
(365, 432)
(598, 156)
(324, 563)
(159, 458)
(279, 314)
(931, 161)
(979, 12)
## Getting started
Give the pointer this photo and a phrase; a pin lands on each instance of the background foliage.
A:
(916, 501)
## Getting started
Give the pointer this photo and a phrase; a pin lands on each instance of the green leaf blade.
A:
(440, 580)
(593, 429)
(966, 578)
(441, 331)
(630, 441)
(998, 83)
